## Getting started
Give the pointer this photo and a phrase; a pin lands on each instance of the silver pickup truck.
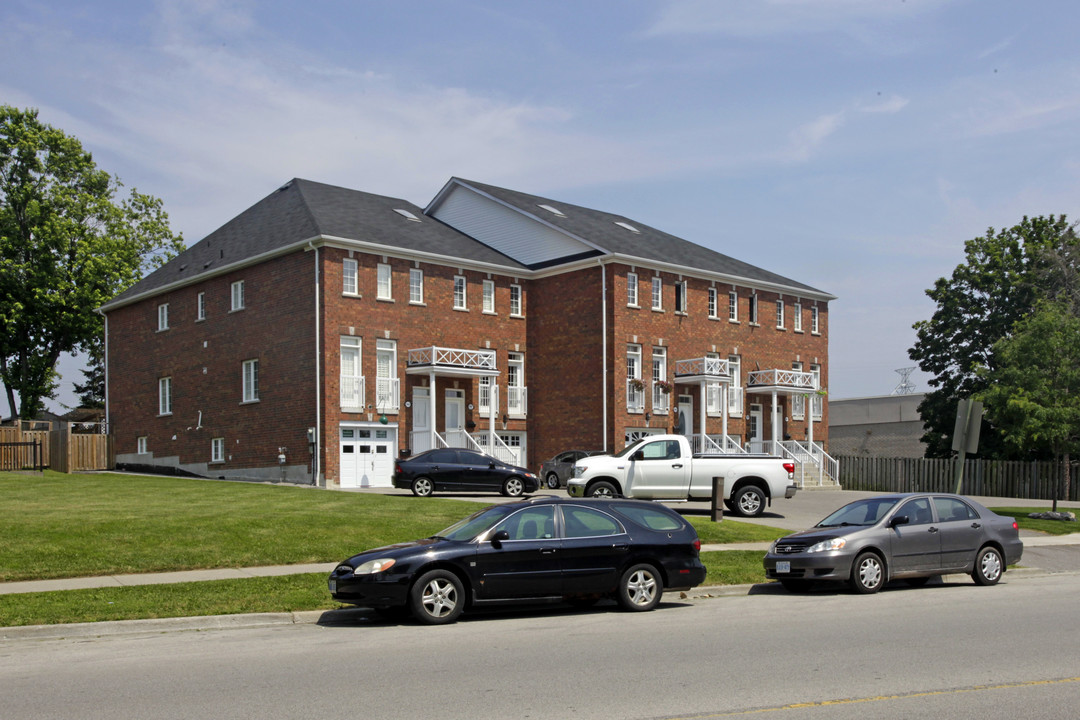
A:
(663, 467)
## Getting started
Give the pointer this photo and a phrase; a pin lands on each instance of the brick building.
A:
(324, 331)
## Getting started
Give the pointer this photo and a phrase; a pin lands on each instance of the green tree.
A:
(1003, 276)
(1033, 392)
(67, 244)
(92, 390)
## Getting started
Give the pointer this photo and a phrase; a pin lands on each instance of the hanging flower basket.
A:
(664, 386)
(637, 384)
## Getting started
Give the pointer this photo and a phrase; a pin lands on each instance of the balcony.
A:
(702, 367)
(352, 393)
(661, 399)
(517, 400)
(452, 358)
(387, 394)
(783, 380)
(635, 396)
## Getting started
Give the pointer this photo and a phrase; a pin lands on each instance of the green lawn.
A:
(1050, 527)
(55, 526)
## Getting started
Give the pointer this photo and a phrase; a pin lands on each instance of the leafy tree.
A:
(1004, 275)
(67, 244)
(1033, 394)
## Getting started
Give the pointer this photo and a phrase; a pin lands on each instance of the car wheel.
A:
(750, 501)
(796, 586)
(513, 487)
(868, 573)
(553, 481)
(988, 567)
(438, 597)
(602, 489)
(640, 588)
(917, 581)
(422, 487)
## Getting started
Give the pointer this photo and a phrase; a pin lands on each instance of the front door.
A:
(421, 419)
(455, 418)
(754, 431)
(684, 422)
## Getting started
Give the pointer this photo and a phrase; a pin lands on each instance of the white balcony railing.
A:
(387, 394)
(795, 379)
(352, 392)
(702, 366)
(661, 399)
(453, 357)
(635, 397)
(517, 400)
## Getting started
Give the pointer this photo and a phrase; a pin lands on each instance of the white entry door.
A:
(455, 418)
(754, 428)
(367, 456)
(684, 424)
(421, 420)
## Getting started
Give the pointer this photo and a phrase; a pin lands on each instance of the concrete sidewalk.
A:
(29, 586)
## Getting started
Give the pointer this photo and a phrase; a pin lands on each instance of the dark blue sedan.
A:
(540, 550)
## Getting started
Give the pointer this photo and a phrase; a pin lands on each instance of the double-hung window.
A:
(635, 388)
(661, 399)
(237, 295)
(251, 380)
(386, 380)
(217, 450)
(165, 396)
(733, 306)
(460, 298)
(657, 293)
(349, 277)
(631, 289)
(712, 303)
(384, 290)
(200, 306)
(516, 392)
(814, 327)
(735, 396)
(515, 301)
(796, 317)
(163, 316)
(485, 395)
(416, 286)
(351, 379)
(780, 314)
(489, 297)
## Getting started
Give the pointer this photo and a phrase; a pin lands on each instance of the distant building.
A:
(882, 426)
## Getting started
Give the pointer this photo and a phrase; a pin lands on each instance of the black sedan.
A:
(544, 549)
(461, 469)
(910, 536)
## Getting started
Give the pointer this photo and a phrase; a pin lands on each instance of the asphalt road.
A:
(954, 650)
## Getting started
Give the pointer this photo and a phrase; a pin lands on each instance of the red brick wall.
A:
(204, 360)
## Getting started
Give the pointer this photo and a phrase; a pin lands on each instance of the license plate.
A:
(783, 566)
(333, 586)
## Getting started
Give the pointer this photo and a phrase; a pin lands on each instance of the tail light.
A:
(1015, 526)
(697, 544)
(790, 467)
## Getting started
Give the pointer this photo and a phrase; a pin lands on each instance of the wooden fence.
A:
(66, 451)
(995, 478)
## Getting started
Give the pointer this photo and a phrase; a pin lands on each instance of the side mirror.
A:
(491, 465)
(899, 520)
(497, 539)
(639, 455)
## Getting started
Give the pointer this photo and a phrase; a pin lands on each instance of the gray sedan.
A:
(911, 536)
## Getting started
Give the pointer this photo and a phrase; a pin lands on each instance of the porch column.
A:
(775, 428)
(431, 410)
(702, 414)
(724, 411)
(810, 422)
(493, 406)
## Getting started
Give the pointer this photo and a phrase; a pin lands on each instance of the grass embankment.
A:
(57, 526)
(1050, 527)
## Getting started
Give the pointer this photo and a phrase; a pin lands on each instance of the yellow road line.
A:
(879, 698)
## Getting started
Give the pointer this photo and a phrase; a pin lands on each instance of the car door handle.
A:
(932, 529)
(547, 551)
(677, 466)
(620, 546)
(976, 526)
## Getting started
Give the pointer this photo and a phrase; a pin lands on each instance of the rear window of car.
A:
(651, 518)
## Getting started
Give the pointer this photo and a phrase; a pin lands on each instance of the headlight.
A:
(374, 566)
(826, 545)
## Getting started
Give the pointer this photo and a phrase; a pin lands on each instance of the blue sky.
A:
(853, 145)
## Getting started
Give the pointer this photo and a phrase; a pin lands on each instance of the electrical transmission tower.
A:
(906, 387)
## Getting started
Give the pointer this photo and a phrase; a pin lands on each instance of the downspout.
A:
(108, 426)
(317, 466)
(603, 355)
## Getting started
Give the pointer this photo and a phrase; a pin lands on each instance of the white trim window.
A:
(489, 297)
(516, 392)
(461, 297)
(141, 445)
(735, 391)
(351, 378)
(200, 306)
(751, 315)
(386, 380)
(733, 306)
(817, 403)
(165, 396)
(680, 297)
(350, 272)
(712, 391)
(657, 293)
(780, 314)
(416, 286)
(712, 303)
(631, 289)
(484, 401)
(163, 317)
(237, 294)
(515, 301)
(796, 316)
(815, 328)
(661, 401)
(251, 380)
(217, 450)
(798, 402)
(385, 290)
(635, 392)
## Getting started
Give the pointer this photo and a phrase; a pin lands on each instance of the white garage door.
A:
(367, 456)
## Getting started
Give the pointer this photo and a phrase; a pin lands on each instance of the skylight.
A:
(628, 226)
(406, 214)
(553, 210)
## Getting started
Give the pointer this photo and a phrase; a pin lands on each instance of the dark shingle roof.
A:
(303, 210)
(599, 229)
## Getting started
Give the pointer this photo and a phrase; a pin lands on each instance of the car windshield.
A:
(861, 512)
(475, 524)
